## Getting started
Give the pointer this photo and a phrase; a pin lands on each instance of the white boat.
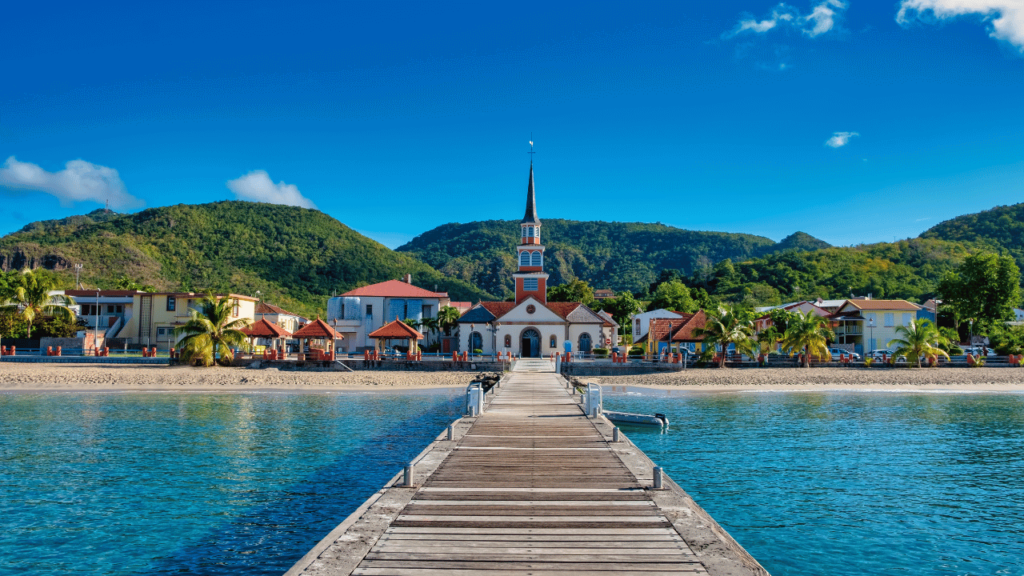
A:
(659, 420)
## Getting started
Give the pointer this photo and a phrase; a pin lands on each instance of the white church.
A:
(531, 326)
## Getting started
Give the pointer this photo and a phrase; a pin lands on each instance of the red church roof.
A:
(317, 329)
(395, 289)
(265, 329)
(396, 330)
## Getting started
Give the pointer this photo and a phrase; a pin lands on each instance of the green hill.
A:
(1000, 229)
(294, 256)
(615, 255)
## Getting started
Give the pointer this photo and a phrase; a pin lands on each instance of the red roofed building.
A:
(359, 312)
(531, 326)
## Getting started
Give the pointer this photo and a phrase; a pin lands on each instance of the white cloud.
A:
(1005, 17)
(840, 139)
(79, 181)
(821, 19)
(258, 187)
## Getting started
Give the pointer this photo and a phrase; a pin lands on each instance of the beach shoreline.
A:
(15, 377)
(826, 380)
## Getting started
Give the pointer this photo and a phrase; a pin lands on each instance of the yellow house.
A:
(865, 324)
(156, 315)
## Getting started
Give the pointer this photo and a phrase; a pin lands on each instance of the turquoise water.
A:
(850, 483)
(112, 484)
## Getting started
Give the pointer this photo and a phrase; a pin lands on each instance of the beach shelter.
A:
(266, 329)
(315, 330)
(397, 330)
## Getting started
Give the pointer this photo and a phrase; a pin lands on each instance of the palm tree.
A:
(755, 348)
(807, 333)
(920, 338)
(447, 317)
(210, 333)
(31, 299)
(723, 328)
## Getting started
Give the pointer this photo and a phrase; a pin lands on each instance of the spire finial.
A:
(531, 148)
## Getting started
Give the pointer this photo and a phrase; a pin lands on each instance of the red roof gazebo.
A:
(266, 329)
(397, 330)
(316, 330)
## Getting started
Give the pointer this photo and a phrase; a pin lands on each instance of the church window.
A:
(524, 258)
(530, 284)
(554, 342)
(524, 231)
(508, 340)
(530, 228)
(535, 259)
(476, 342)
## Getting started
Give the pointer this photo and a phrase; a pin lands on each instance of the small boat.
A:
(659, 420)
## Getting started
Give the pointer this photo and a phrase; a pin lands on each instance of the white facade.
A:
(356, 316)
(516, 329)
(642, 321)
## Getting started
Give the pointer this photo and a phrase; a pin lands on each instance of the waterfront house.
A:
(105, 312)
(764, 321)
(642, 321)
(359, 312)
(681, 332)
(156, 315)
(866, 324)
(279, 316)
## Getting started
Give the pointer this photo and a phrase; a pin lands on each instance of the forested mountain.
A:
(616, 255)
(294, 256)
(1000, 229)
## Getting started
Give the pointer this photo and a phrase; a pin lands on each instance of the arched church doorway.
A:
(530, 345)
(585, 344)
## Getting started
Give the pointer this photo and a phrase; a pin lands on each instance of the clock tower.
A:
(530, 277)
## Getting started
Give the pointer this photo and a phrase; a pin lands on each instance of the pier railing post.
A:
(410, 472)
(657, 478)
(615, 434)
(451, 432)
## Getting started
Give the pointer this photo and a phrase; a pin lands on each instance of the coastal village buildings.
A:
(104, 312)
(531, 326)
(680, 331)
(642, 321)
(357, 313)
(866, 324)
(764, 321)
(279, 317)
(156, 315)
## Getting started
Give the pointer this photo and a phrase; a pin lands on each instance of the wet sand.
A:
(80, 377)
(818, 379)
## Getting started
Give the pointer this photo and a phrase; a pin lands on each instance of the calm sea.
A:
(112, 484)
(826, 484)
(850, 483)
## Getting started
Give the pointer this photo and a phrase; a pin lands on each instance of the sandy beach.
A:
(72, 377)
(819, 379)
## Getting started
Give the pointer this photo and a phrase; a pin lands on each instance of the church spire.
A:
(531, 202)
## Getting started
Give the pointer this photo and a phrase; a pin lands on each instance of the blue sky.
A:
(397, 117)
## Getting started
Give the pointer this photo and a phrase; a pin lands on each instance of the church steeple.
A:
(531, 202)
(530, 278)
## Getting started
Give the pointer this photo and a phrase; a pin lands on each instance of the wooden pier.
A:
(530, 487)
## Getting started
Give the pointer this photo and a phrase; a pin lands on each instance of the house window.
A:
(871, 318)
(536, 259)
(428, 311)
(369, 310)
(171, 303)
(890, 319)
(508, 341)
(524, 258)
(341, 314)
(110, 308)
(553, 343)
(236, 309)
(530, 284)
(906, 319)
(161, 331)
(119, 309)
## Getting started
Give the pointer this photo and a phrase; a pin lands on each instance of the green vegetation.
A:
(984, 290)
(808, 334)
(725, 326)
(210, 334)
(616, 255)
(920, 338)
(295, 257)
(27, 298)
(1000, 230)
(573, 291)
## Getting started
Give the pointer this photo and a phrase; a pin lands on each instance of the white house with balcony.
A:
(358, 312)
